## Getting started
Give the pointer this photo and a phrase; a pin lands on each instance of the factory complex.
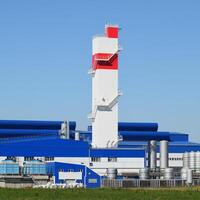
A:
(108, 153)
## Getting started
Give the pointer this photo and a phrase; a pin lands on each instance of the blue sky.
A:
(45, 53)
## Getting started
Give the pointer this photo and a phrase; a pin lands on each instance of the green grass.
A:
(97, 194)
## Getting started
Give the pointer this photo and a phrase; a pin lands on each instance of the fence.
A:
(153, 183)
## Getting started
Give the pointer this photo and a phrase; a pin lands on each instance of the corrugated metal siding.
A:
(49, 147)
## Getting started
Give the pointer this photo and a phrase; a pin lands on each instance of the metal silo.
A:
(163, 154)
(144, 173)
(184, 173)
(168, 173)
(152, 158)
(192, 160)
(186, 160)
(112, 173)
(197, 166)
(189, 176)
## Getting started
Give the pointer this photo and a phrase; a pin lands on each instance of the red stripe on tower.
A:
(105, 61)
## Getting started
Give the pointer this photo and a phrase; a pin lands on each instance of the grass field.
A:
(97, 194)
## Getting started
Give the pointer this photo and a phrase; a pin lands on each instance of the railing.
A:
(152, 183)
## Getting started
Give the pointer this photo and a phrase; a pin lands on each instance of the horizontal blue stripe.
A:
(120, 153)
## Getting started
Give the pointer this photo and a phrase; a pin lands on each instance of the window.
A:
(112, 159)
(70, 170)
(11, 158)
(176, 159)
(49, 158)
(28, 158)
(92, 180)
(96, 159)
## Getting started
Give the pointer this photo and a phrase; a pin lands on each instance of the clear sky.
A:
(45, 53)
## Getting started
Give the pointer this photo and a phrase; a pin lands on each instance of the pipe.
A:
(152, 155)
(77, 136)
(144, 136)
(7, 133)
(28, 124)
(163, 154)
(134, 135)
(128, 126)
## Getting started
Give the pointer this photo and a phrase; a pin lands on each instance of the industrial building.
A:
(55, 151)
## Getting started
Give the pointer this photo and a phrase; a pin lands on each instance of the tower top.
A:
(111, 31)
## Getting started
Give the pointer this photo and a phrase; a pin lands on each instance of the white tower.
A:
(105, 89)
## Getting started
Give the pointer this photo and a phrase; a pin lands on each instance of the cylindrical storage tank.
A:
(197, 166)
(144, 173)
(186, 160)
(168, 173)
(77, 136)
(144, 136)
(152, 156)
(184, 173)
(112, 173)
(34, 125)
(8, 133)
(192, 160)
(163, 154)
(129, 126)
(189, 176)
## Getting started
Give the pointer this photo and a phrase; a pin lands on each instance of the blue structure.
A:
(89, 178)
(30, 139)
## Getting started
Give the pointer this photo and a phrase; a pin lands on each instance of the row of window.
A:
(49, 158)
(70, 170)
(98, 159)
(176, 159)
(30, 158)
(171, 159)
(93, 159)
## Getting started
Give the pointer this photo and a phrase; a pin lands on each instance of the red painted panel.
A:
(105, 61)
(112, 32)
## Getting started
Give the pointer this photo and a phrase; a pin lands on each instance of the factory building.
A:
(108, 149)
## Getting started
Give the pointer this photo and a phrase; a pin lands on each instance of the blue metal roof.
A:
(50, 147)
